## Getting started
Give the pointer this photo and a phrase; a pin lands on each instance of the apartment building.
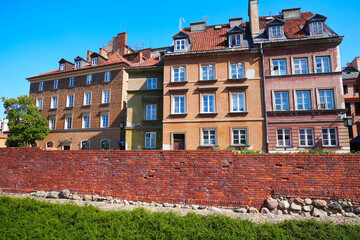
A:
(302, 69)
(213, 89)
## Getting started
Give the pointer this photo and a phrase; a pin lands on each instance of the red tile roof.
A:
(154, 61)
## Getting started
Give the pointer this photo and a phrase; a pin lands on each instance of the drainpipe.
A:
(264, 94)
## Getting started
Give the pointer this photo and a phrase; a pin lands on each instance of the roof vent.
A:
(235, 22)
(218, 27)
(291, 13)
(269, 18)
(198, 26)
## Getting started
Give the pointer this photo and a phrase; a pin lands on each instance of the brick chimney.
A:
(355, 63)
(254, 16)
(88, 58)
(146, 53)
(103, 53)
(121, 42)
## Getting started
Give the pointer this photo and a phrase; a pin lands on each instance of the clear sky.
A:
(36, 34)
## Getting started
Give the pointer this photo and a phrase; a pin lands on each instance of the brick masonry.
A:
(209, 177)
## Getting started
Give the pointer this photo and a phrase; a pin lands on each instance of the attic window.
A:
(62, 67)
(94, 61)
(317, 28)
(180, 44)
(236, 40)
(275, 31)
(78, 64)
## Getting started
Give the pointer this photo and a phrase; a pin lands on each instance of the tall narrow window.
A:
(62, 67)
(237, 70)
(150, 140)
(329, 137)
(281, 101)
(41, 86)
(85, 145)
(68, 122)
(239, 137)
(322, 64)
(105, 145)
(105, 96)
(151, 112)
(104, 121)
(209, 137)
(208, 103)
(300, 66)
(72, 82)
(306, 137)
(87, 98)
(70, 100)
(346, 90)
(179, 74)
(52, 122)
(94, 61)
(237, 102)
(39, 103)
(107, 76)
(89, 79)
(54, 102)
(152, 83)
(279, 67)
(283, 137)
(326, 99)
(56, 84)
(303, 100)
(78, 64)
(207, 72)
(86, 121)
(178, 105)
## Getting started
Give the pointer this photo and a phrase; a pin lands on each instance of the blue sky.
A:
(36, 34)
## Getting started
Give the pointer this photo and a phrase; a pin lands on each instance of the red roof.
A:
(3, 136)
(154, 61)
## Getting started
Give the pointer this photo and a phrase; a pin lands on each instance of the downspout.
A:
(264, 95)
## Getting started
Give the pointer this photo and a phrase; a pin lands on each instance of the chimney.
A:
(291, 13)
(88, 58)
(121, 42)
(356, 63)
(235, 22)
(146, 53)
(103, 53)
(198, 26)
(254, 16)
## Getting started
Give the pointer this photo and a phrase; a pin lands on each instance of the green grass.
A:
(31, 219)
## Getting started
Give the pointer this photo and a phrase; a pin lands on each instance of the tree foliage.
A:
(26, 125)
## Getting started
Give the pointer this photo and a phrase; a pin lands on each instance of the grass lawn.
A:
(31, 219)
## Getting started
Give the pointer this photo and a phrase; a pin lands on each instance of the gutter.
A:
(264, 94)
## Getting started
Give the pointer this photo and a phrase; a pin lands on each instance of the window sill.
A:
(86, 106)
(150, 121)
(236, 79)
(71, 86)
(210, 113)
(238, 113)
(208, 146)
(330, 146)
(104, 104)
(69, 108)
(52, 109)
(207, 81)
(178, 114)
(240, 146)
(178, 83)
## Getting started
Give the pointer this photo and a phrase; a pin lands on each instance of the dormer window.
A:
(94, 61)
(78, 64)
(235, 39)
(236, 36)
(62, 67)
(316, 28)
(275, 31)
(275, 28)
(180, 44)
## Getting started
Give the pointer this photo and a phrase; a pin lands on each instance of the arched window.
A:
(85, 145)
(105, 144)
(50, 144)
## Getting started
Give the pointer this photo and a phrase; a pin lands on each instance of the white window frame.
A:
(150, 140)
(151, 112)
(283, 134)
(54, 99)
(102, 115)
(307, 132)
(77, 64)
(68, 123)
(179, 44)
(85, 115)
(41, 86)
(207, 72)
(151, 83)
(89, 79)
(107, 77)
(300, 66)
(39, 103)
(208, 130)
(235, 40)
(62, 67)
(324, 104)
(239, 70)
(181, 69)
(52, 122)
(173, 107)
(242, 133)
(317, 28)
(321, 68)
(203, 107)
(327, 137)
(281, 101)
(87, 103)
(237, 94)
(68, 100)
(104, 99)
(72, 82)
(108, 143)
(276, 31)
(56, 84)
(278, 71)
(94, 61)
(302, 97)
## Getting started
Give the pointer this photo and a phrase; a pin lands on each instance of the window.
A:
(105, 144)
(72, 82)
(237, 70)
(329, 136)
(178, 105)
(56, 84)
(39, 103)
(237, 102)
(151, 112)
(68, 122)
(41, 86)
(94, 61)
(89, 79)
(345, 87)
(180, 44)
(105, 96)
(303, 100)
(235, 39)
(239, 137)
(281, 101)
(54, 102)
(86, 120)
(150, 140)
(357, 109)
(317, 28)
(209, 137)
(104, 121)
(326, 99)
(207, 72)
(279, 67)
(300, 66)
(283, 137)
(208, 103)
(306, 137)
(355, 87)
(152, 83)
(322, 64)
(70, 100)
(77, 64)
(62, 67)
(179, 74)
(87, 98)
(85, 145)
(107, 76)
(52, 122)
(276, 31)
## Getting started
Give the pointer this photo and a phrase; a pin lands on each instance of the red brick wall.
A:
(199, 177)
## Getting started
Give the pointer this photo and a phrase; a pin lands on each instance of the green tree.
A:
(26, 125)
